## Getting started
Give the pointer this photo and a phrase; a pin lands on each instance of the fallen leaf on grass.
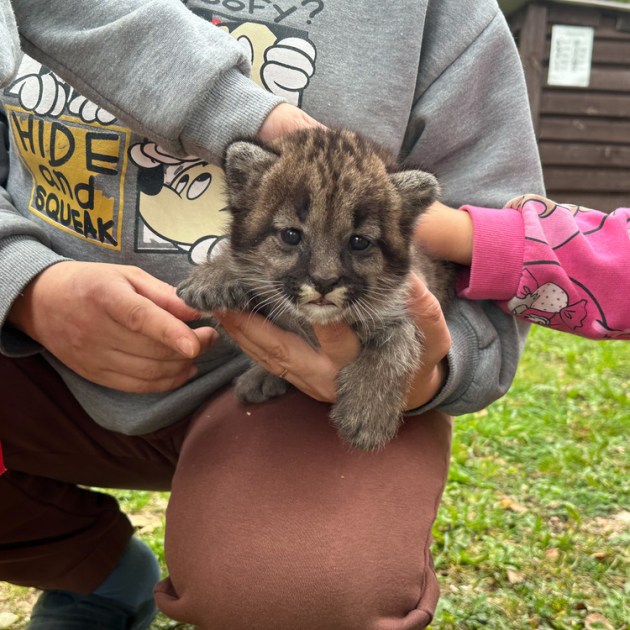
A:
(552, 554)
(510, 504)
(514, 577)
(600, 555)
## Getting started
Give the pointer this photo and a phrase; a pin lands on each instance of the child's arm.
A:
(557, 265)
(446, 233)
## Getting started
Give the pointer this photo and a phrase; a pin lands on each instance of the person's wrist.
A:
(21, 315)
(283, 119)
(446, 233)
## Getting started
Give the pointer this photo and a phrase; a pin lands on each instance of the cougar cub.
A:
(322, 230)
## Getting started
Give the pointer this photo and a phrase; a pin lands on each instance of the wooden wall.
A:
(583, 133)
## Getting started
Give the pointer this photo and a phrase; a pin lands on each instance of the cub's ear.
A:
(418, 190)
(244, 164)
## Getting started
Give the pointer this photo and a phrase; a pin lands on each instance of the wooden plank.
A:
(587, 179)
(574, 16)
(609, 29)
(576, 154)
(584, 130)
(532, 45)
(611, 52)
(582, 102)
(604, 79)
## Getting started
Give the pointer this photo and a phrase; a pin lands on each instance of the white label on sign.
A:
(571, 54)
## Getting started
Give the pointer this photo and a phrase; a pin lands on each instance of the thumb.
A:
(158, 313)
(161, 293)
(428, 316)
(337, 341)
(283, 119)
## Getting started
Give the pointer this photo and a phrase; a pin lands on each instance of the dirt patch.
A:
(16, 603)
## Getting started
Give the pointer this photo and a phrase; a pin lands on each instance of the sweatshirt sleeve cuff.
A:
(461, 367)
(21, 259)
(498, 248)
(235, 108)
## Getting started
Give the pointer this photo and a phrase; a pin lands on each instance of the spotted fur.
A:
(322, 231)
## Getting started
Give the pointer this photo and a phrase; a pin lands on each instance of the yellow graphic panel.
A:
(78, 174)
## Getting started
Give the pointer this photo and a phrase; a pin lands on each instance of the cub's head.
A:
(322, 223)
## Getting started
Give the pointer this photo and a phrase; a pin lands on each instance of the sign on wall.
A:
(571, 55)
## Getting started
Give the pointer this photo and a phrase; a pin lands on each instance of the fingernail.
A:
(421, 287)
(186, 347)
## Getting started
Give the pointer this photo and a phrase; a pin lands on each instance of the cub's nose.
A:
(324, 285)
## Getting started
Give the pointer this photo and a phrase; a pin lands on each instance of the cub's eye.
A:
(359, 243)
(291, 236)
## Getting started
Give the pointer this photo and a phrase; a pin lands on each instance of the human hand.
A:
(311, 370)
(284, 119)
(429, 318)
(544, 207)
(446, 233)
(314, 370)
(114, 325)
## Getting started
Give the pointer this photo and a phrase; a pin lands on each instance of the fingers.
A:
(152, 310)
(427, 312)
(140, 376)
(138, 345)
(429, 318)
(338, 342)
(518, 202)
(284, 353)
(283, 119)
(140, 315)
(140, 365)
(315, 370)
(161, 294)
(206, 337)
(273, 348)
(114, 325)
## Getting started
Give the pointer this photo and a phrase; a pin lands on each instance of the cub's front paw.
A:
(197, 296)
(208, 297)
(366, 427)
(257, 385)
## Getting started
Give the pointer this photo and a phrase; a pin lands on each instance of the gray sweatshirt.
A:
(10, 53)
(437, 81)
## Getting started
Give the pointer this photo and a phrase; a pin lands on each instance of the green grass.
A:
(534, 527)
(533, 530)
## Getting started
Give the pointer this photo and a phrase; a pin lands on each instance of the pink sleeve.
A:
(560, 266)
